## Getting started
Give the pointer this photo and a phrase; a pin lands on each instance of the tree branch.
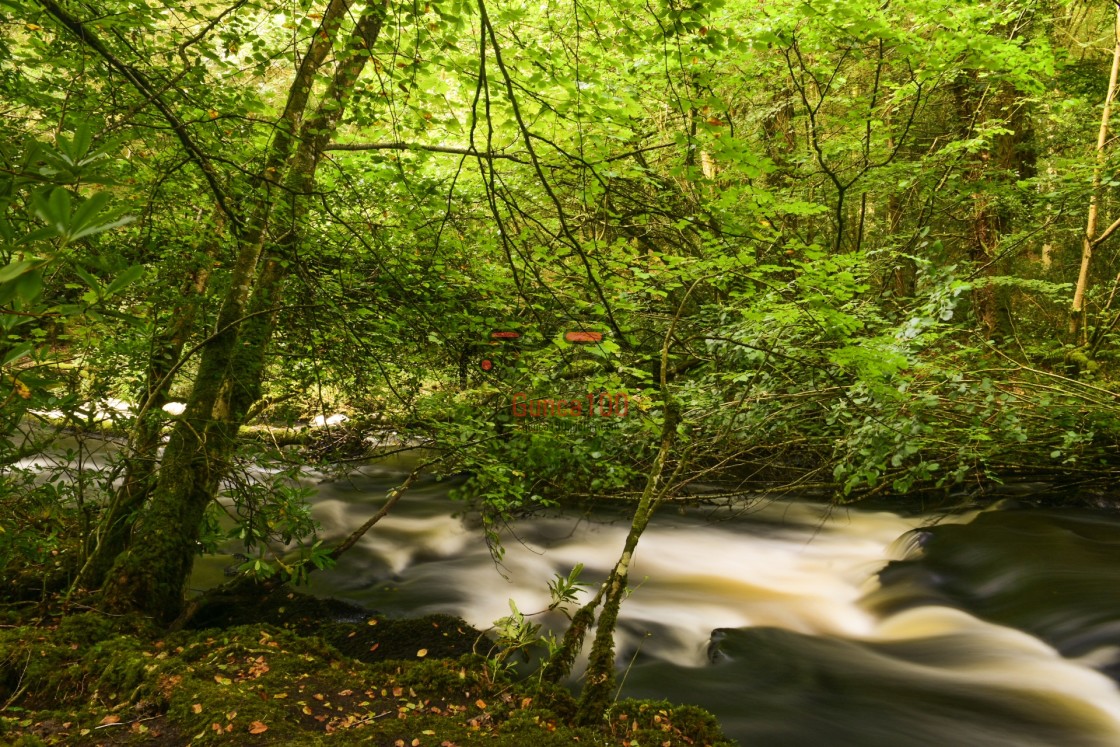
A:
(142, 84)
(488, 155)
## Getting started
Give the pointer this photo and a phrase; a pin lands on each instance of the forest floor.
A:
(276, 667)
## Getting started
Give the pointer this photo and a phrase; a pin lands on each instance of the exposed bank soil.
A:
(313, 672)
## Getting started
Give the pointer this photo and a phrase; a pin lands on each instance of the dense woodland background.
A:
(847, 248)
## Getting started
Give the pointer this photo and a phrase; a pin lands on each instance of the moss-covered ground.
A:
(313, 672)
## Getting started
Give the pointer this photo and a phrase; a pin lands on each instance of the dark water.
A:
(795, 623)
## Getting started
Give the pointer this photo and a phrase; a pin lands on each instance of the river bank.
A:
(277, 667)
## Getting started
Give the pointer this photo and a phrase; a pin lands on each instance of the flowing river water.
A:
(796, 623)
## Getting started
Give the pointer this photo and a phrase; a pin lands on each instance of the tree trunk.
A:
(598, 687)
(1010, 157)
(151, 576)
(115, 525)
(1078, 316)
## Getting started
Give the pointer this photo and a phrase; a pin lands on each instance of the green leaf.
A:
(126, 278)
(16, 353)
(102, 228)
(88, 210)
(30, 285)
(88, 279)
(15, 269)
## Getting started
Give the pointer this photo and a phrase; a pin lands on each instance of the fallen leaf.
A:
(422, 652)
(374, 647)
(480, 703)
(231, 715)
(196, 708)
(111, 719)
(279, 696)
(398, 691)
(222, 680)
(257, 728)
(371, 621)
(306, 711)
(346, 692)
(416, 742)
(317, 696)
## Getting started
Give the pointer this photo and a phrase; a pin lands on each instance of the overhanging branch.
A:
(142, 84)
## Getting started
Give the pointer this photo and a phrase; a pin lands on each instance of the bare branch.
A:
(488, 155)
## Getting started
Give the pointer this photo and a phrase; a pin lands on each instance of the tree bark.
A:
(1078, 316)
(115, 526)
(596, 695)
(599, 683)
(151, 576)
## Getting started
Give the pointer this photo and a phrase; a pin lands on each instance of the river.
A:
(796, 623)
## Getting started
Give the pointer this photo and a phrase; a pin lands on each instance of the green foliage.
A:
(848, 230)
(518, 635)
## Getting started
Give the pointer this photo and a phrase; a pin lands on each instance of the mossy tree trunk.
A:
(110, 538)
(599, 684)
(151, 575)
(599, 680)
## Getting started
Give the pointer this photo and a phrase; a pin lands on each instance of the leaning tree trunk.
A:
(1078, 316)
(113, 529)
(599, 684)
(599, 680)
(151, 576)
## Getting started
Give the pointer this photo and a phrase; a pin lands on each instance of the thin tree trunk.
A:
(1079, 317)
(595, 698)
(599, 685)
